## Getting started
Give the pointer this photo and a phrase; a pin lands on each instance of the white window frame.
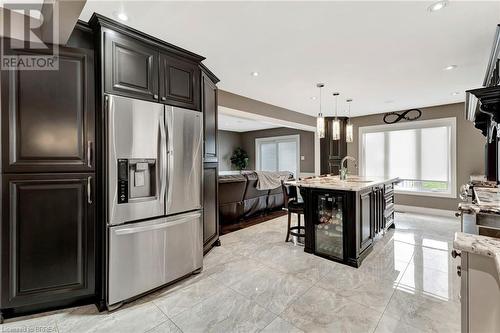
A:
(450, 121)
(284, 138)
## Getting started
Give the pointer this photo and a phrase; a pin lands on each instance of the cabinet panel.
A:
(48, 117)
(179, 82)
(48, 238)
(130, 67)
(209, 108)
(365, 227)
(210, 205)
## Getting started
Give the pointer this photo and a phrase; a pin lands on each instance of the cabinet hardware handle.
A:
(89, 189)
(89, 154)
(155, 96)
(163, 98)
(455, 254)
(459, 270)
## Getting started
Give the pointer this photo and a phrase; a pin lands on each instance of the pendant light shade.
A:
(320, 121)
(320, 126)
(336, 121)
(349, 129)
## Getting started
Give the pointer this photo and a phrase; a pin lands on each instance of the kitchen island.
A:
(343, 217)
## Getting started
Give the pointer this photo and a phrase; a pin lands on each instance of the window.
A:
(421, 153)
(279, 153)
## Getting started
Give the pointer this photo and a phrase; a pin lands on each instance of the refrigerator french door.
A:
(154, 183)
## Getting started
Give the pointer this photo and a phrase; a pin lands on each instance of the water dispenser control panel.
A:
(122, 181)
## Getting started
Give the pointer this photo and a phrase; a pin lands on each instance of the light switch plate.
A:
(302, 157)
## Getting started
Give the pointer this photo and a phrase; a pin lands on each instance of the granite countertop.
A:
(480, 245)
(352, 183)
(487, 201)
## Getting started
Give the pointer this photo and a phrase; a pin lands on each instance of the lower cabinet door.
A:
(48, 239)
(210, 205)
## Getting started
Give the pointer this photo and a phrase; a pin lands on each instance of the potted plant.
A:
(239, 159)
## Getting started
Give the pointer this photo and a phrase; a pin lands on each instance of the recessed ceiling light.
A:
(121, 16)
(437, 6)
(389, 101)
(313, 98)
(450, 67)
(255, 73)
(456, 93)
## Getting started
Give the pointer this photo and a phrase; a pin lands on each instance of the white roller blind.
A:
(421, 154)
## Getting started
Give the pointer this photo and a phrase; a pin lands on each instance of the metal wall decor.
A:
(394, 117)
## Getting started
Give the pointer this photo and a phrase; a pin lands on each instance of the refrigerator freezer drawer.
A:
(146, 255)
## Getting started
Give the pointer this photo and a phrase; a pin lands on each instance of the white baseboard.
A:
(424, 210)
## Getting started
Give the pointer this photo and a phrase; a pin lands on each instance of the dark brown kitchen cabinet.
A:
(130, 67)
(48, 117)
(210, 206)
(365, 220)
(179, 82)
(48, 239)
(332, 151)
(209, 108)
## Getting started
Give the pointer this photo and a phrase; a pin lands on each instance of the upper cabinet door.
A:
(130, 67)
(179, 82)
(209, 108)
(48, 117)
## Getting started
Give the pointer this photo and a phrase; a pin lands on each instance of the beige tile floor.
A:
(256, 282)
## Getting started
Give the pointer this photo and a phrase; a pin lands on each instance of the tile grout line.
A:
(393, 292)
(168, 318)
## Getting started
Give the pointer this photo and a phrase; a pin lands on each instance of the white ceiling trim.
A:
(273, 122)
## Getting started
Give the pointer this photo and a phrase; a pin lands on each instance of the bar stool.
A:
(293, 206)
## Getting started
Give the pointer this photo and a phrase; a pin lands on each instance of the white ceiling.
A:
(227, 121)
(385, 55)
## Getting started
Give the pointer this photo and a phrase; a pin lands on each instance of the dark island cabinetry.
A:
(342, 225)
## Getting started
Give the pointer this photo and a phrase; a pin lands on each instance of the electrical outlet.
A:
(302, 158)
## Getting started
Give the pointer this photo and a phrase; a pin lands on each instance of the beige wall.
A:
(306, 145)
(470, 151)
(228, 142)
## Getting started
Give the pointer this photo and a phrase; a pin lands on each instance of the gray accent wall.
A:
(470, 151)
(306, 145)
(228, 142)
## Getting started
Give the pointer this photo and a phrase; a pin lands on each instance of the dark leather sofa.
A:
(239, 198)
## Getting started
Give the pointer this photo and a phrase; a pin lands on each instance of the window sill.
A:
(427, 194)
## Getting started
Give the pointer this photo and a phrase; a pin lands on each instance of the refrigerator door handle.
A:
(169, 223)
(170, 155)
(163, 158)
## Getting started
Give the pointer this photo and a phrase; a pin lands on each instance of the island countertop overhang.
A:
(352, 183)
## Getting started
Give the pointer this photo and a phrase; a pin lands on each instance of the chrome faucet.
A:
(343, 171)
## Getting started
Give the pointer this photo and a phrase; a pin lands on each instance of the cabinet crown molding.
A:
(98, 21)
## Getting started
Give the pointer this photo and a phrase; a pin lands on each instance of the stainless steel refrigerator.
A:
(153, 186)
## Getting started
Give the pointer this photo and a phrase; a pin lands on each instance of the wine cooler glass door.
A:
(329, 231)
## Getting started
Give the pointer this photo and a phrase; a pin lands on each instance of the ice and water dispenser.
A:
(136, 180)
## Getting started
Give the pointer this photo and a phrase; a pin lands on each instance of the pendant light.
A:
(320, 121)
(336, 121)
(349, 130)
